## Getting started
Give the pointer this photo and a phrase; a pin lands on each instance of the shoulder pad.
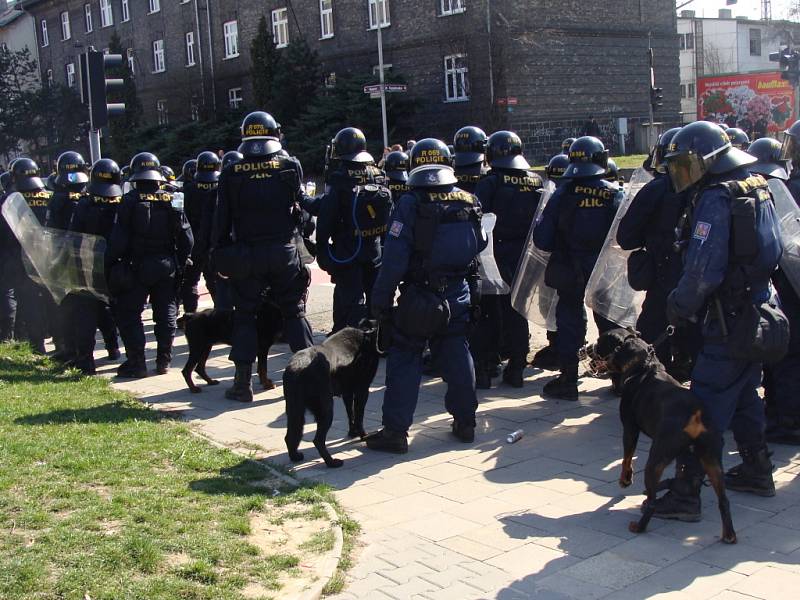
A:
(746, 186)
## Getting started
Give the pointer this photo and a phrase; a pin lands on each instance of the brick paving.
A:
(542, 518)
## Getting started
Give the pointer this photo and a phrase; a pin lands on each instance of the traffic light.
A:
(656, 97)
(95, 84)
(789, 61)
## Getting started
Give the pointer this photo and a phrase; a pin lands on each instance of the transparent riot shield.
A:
(789, 221)
(63, 262)
(530, 297)
(492, 283)
(608, 292)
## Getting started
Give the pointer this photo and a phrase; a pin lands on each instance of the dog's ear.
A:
(367, 325)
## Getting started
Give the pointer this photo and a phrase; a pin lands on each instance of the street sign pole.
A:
(650, 142)
(383, 87)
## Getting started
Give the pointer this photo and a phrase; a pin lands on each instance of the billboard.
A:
(760, 103)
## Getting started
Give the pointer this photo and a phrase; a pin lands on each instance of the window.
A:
(49, 77)
(45, 37)
(106, 14)
(131, 61)
(456, 87)
(155, 6)
(190, 49)
(686, 41)
(231, 30)
(161, 109)
(70, 74)
(126, 14)
(326, 18)
(683, 91)
(158, 57)
(235, 97)
(378, 13)
(87, 11)
(452, 7)
(280, 27)
(65, 30)
(690, 91)
(755, 42)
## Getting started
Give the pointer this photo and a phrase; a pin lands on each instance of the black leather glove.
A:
(674, 317)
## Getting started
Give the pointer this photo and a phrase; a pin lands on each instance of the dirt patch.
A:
(177, 559)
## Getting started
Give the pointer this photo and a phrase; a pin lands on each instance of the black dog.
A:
(208, 327)
(343, 365)
(653, 402)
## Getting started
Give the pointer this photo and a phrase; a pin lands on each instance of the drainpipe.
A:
(211, 58)
(200, 54)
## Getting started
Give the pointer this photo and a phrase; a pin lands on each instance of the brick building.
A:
(558, 61)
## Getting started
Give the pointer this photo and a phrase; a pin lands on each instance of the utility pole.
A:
(379, 13)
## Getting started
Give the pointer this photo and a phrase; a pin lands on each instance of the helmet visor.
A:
(685, 169)
(789, 149)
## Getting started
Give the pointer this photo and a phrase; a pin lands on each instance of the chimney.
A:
(725, 13)
(687, 14)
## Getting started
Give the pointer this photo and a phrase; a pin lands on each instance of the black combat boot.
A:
(387, 440)
(565, 386)
(754, 474)
(512, 374)
(464, 431)
(483, 379)
(163, 361)
(242, 390)
(133, 368)
(682, 501)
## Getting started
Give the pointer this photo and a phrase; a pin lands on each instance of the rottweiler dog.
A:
(654, 402)
(343, 365)
(206, 328)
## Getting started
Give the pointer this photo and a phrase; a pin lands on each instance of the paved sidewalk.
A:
(542, 518)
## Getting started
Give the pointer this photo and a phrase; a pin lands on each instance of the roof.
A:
(9, 16)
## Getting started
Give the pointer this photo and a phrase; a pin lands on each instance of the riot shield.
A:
(608, 292)
(789, 221)
(63, 262)
(530, 297)
(492, 283)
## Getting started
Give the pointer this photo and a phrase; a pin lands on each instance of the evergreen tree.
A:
(266, 61)
(56, 122)
(295, 84)
(18, 74)
(122, 129)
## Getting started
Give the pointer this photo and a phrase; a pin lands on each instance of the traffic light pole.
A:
(94, 145)
(94, 85)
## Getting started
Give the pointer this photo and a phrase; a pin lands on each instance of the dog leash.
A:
(668, 333)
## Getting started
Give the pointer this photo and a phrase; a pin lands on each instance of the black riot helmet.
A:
(701, 148)
(739, 139)
(208, 166)
(50, 182)
(145, 167)
(588, 157)
(71, 170)
(260, 135)
(504, 150)
(168, 173)
(791, 144)
(188, 170)
(767, 152)
(126, 172)
(431, 164)
(396, 166)
(231, 157)
(469, 146)
(612, 171)
(566, 144)
(105, 179)
(661, 149)
(350, 144)
(25, 175)
(557, 166)
(5, 181)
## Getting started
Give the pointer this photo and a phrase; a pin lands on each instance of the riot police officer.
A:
(512, 191)
(253, 242)
(649, 228)
(95, 214)
(556, 168)
(469, 144)
(396, 168)
(727, 268)
(199, 201)
(739, 138)
(573, 227)
(566, 144)
(433, 240)
(231, 157)
(8, 300)
(153, 239)
(353, 216)
(187, 171)
(170, 181)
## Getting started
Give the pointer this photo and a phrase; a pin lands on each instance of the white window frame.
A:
(131, 60)
(159, 58)
(683, 91)
(280, 27)
(189, 37)
(235, 98)
(106, 13)
(126, 11)
(45, 35)
(325, 19)
(66, 30)
(87, 18)
(690, 90)
(456, 92)
(163, 112)
(230, 31)
(154, 6)
(70, 70)
(452, 7)
(378, 12)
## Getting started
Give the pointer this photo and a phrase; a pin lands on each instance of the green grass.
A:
(630, 161)
(103, 497)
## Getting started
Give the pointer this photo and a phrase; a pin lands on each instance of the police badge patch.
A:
(396, 228)
(701, 231)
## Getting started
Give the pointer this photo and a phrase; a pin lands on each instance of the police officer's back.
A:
(396, 169)
(469, 145)
(71, 178)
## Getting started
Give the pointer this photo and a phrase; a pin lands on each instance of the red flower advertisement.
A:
(748, 100)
